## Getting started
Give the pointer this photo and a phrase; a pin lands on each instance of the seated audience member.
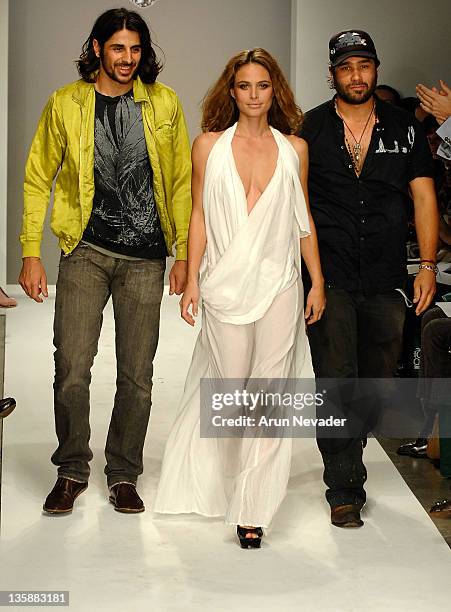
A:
(389, 94)
(437, 102)
(435, 387)
(442, 179)
(418, 448)
(435, 384)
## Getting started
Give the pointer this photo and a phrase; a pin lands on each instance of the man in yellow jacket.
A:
(117, 142)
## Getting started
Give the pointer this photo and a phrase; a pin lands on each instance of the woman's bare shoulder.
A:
(204, 142)
(207, 139)
(299, 144)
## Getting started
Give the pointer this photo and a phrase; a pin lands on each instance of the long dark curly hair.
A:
(219, 109)
(106, 25)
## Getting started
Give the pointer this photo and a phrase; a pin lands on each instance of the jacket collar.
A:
(84, 89)
(140, 91)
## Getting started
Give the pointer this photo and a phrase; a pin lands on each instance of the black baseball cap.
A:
(351, 42)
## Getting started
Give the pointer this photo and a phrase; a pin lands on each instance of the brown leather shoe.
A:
(61, 498)
(125, 498)
(441, 509)
(7, 405)
(346, 516)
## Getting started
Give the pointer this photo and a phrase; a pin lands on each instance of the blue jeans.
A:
(358, 336)
(86, 280)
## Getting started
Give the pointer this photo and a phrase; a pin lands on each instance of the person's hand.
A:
(190, 297)
(33, 278)
(177, 277)
(423, 290)
(316, 303)
(435, 102)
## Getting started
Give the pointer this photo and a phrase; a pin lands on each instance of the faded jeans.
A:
(86, 280)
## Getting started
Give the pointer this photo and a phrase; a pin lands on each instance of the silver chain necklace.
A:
(356, 150)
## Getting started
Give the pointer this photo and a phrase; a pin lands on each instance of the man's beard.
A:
(112, 74)
(353, 98)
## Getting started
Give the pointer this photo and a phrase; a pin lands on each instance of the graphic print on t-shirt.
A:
(124, 216)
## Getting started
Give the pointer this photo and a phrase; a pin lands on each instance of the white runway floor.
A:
(109, 561)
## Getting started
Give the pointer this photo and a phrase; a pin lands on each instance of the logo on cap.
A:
(351, 42)
(350, 39)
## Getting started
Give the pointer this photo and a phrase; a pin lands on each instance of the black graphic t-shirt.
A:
(124, 217)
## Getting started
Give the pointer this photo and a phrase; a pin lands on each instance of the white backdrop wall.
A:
(197, 37)
(412, 38)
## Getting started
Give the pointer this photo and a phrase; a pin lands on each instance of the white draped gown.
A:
(252, 327)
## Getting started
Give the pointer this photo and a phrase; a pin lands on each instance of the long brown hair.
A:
(219, 109)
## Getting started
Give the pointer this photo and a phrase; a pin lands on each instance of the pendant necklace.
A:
(356, 150)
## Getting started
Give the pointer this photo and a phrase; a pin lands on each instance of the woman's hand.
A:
(316, 303)
(190, 297)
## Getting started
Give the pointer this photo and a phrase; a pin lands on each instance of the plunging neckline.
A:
(235, 168)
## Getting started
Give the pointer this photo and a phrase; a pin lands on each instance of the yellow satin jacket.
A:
(63, 147)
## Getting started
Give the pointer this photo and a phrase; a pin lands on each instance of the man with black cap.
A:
(367, 160)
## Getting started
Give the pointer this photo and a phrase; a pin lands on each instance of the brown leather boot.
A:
(61, 498)
(346, 516)
(125, 498)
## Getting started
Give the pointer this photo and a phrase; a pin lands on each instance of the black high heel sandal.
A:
(249, 542)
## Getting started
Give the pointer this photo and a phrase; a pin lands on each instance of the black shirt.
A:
(124, 217)
(362, 221)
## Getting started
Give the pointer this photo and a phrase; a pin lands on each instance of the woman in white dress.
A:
(249, 225)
